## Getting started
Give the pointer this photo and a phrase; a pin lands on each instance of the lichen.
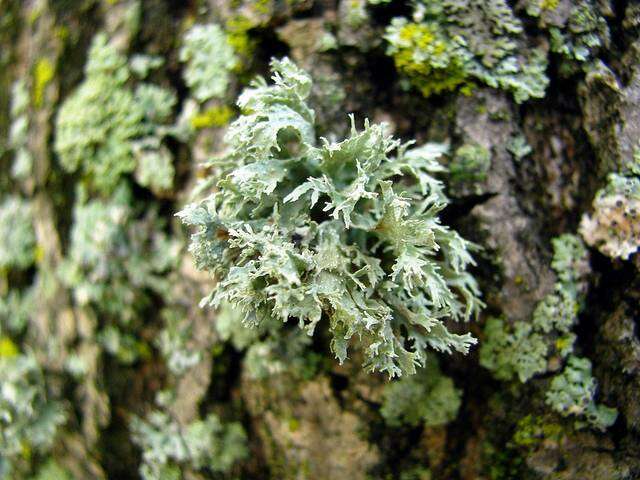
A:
(43, 73)
(524, 348)
(454, 45)
(469, 165)
(429, 398)
(213, 117)
(366, 260)
(103, 142)
(572, 393)
(115, 260)
(613, 227)
(210, 58)
(202, 444)
(28, 418)
(584, 34)
(19, 131)
(17, 236)
(532, 430)
(518, 147)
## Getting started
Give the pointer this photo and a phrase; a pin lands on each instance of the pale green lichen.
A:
(523, 349)
(141, 65)
(518, 147)
(455, 44)
(429, 398)
(354, 12)
(19, 131)
(270, 350)
(99, 126)
(124, 346)
(52, 471)
(508, 352)
(585, 32)
(373, 259)
(470, 164)
(173, 342)
(168, 447)
(572, 393)
(17, 236)
(154, 167)
(115, 260)
(16, 308)
(210, 59)
(28, 418)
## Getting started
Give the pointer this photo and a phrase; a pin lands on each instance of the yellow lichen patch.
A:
(8, 349)
(38, 254)
(214, 117)
(549, 4)
(428, 61)
(563, 343)
(42, 74)
(238, 38)
(263, 7)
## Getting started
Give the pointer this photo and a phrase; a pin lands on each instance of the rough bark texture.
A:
(327, 425)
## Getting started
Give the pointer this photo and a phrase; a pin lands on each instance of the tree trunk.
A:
(325, 423)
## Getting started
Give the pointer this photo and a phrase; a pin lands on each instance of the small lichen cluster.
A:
(456, 44)
(18, 253)
(469, 166)
(28, 419)
(17, 236)
(429, 398)
(16, 306)
(614, 225)
(115, 260)
(523, 349)
(572, 394)
(19, 131)
(209, 60)
(577, 29)
(205, 444)
(173, 343)
(269, 349)
(106, 129)
(325, 232)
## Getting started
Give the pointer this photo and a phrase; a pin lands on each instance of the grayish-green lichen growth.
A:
(173, 343)
(513, 351)
(470, 164)
(209, 59)
(19, 130)
(518, 147)
(429, 398)
(305, 230)
(584, 33)
(104, 128)
(270, 349)
(167, 447)
(114, 259)
(17, 236)
(455, 44)
(28, 418)
(572, 393)
(16, 308)
(523, 349)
